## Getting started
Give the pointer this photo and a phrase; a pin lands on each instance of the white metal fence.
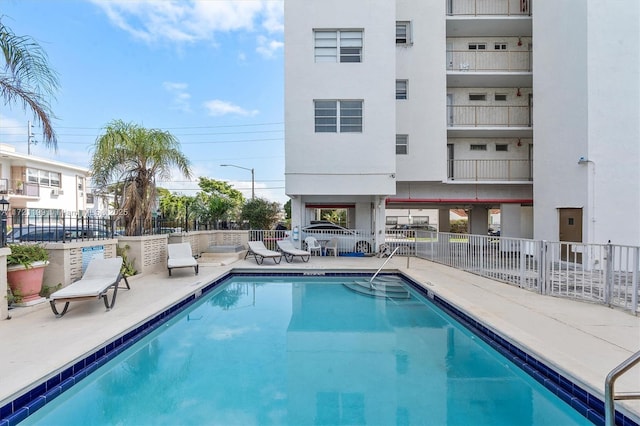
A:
(599, 273)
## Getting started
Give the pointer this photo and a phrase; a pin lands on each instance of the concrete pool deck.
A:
(584, 341)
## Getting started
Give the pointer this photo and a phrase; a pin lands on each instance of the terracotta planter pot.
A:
(26, 282)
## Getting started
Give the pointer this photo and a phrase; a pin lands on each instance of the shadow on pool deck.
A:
(584, 341)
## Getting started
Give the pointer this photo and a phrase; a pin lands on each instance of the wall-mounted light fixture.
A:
(518, 93)
(519, 41)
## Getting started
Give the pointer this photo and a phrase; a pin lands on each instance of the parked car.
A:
(417, 227)
(16, 233)
(349, 240)
(60, 233)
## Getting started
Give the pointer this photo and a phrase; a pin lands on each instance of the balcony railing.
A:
(488, 7)
(490, 170)
(487, 61)
(16, 187)
(489, 116)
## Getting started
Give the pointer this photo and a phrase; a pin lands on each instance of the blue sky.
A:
(210, 72)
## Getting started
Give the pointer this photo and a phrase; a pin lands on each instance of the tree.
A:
(260, 213)
(136, 156)
(287, 210)
(217, 201)
(28, 79)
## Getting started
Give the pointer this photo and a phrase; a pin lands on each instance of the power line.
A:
(168, 128)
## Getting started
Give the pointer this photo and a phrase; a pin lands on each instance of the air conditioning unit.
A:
(56, 192)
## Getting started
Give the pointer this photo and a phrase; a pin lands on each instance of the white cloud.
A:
(180, 95)
(267, 47)
(217, 108)
(188, 21)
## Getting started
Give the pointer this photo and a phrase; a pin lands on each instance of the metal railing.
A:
(57, 228)
(488, 60)
(490, 170)
(349, 240)
(488, 7)
(489, 116)
(600, 273)
(610, 396)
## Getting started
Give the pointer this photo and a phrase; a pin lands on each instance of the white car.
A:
(349, 240)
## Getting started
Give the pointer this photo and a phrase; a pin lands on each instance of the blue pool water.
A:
(308, 351)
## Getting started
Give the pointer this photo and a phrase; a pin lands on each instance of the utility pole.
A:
(30, 139)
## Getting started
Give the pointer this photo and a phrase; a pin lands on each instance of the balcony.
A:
(489, 61)
(490, 170)
(489, 7)
(472, 116)
(19, 188)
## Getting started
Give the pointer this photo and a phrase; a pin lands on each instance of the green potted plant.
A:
(25, 270)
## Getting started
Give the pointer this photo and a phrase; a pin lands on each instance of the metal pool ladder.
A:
(609, 394)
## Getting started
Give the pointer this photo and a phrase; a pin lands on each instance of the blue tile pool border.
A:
(587, 404)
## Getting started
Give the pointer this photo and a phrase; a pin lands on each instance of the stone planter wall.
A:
(148, 253)
(66, 259)
(4, 309)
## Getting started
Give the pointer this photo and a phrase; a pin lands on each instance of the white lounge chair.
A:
(180, 256)
(313, 245)
(260, 252)
(290, 251)
(101, 275)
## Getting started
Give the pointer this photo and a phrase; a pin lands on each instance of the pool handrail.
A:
(380, 268)
(609, 393)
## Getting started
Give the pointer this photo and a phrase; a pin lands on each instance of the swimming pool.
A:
(301, 350)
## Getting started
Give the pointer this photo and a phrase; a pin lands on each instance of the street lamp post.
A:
(253, 181)
(4, 207)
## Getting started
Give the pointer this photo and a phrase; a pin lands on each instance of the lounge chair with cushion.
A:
(180, 256)
(290, 251)
(260, 252)
(101, 276)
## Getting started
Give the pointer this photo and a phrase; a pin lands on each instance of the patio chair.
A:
(101, 276)
(179, 255)
(289, 251)
(313, 245)
(260, 252)
(332, 246)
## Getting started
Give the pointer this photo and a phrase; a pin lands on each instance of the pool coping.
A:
(46, 390)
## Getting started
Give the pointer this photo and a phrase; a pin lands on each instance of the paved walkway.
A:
(583, 340)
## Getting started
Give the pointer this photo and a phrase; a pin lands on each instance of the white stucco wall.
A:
(587, 97)
(342, 163)
(422, 115)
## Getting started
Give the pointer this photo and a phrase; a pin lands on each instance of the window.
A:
(351, 116)
(402, 142)
(391, 220)
(403, 32)
(500, 97)
(478, 147)
(500, 46)
(477, 97)
(329, 113)
(477, 46)
(502, 147)
(338, 46)
(43, 177)
(401, 89)
(326, 116)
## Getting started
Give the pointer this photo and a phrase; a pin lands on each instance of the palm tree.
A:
(136, 156)
(27, 79)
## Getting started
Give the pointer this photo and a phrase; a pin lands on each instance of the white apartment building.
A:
(414, 104)
(38, 188)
